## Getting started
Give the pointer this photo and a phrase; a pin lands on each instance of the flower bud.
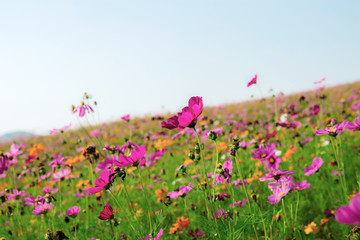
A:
(191, 155)
(212, 135)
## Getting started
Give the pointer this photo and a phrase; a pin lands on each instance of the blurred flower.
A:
(317, 162)
(42, 208)
(54, 131)
(349, 214)
(253, 81)
(73, 211)
(298, 186)
(311, 228)
(107, 213)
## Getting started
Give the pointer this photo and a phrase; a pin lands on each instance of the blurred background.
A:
(148, 57)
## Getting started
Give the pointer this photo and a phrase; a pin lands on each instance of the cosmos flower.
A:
(60, 130)
(253, 81)
(107, 213)
(83, 108)
(187, 117)
(277, 175)
(73, 211)
(32, 201)
(298, 186)
(280, 189)
(103, 182)
(182, 191)
(334, 130)
(42, 208)
(126, 117)
(354, 126)
(349, 214)
(136, 157)
(317, 162)
(17, 194)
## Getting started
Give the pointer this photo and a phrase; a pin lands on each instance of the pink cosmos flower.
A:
(317, 162)
(83, 108)
(334, 130)
(148, 237)
(49, 190)
(73, 211)
(227, 169)
(58, 159)
(103, 182)
(253, 81)
(182, 190)
(298, 186)
(95, 133)
(65, 173)
(356, 105)
(320, 81)
(354, 126)
(126, 117)
(133, 159)
(349, 214)
(16, 194)
(32, 201)
(107, 213)
(187, 117)
(280, 189)
(42, 208)
(14, 151)
(352, 97)
(55, 130)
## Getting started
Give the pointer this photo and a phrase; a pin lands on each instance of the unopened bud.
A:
(212, 135)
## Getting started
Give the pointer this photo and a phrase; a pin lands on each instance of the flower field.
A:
(282, 167)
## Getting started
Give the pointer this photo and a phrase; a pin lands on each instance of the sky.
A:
(147, 57)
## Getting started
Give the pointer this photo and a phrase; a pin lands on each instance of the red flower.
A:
(107, 213)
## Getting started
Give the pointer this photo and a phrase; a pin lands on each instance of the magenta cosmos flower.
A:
(136, 157)
(334, 130)
(354, 126)
(349, 214)
(182, 190)
(107, 213)
(104, 182)
(187, 117)
(42, 208)
(73, 211)
(317, 162)
(253, 81)
(83, 108)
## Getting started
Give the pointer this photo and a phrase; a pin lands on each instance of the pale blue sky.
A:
(143, 57)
